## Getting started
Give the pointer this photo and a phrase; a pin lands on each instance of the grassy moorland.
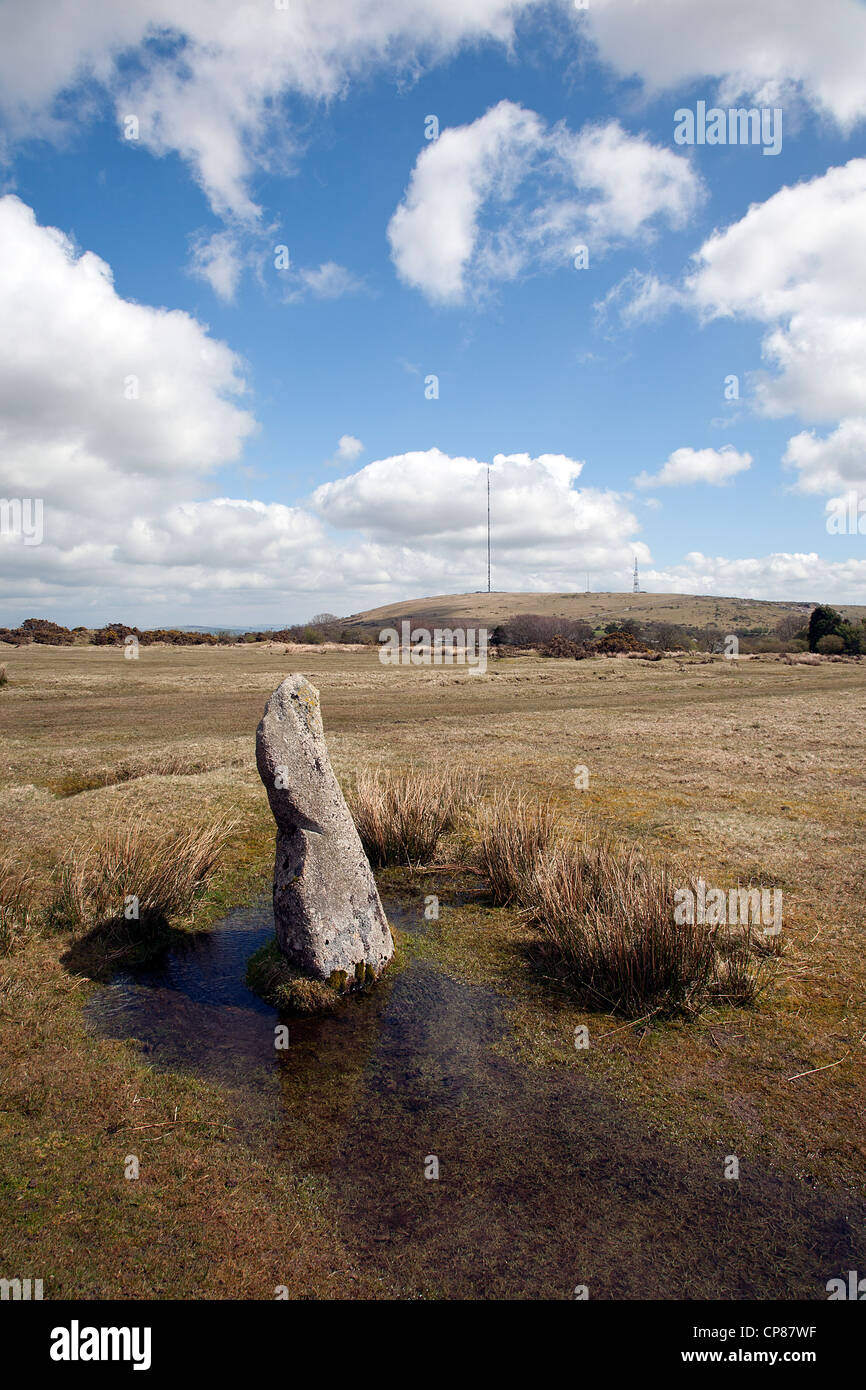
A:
(597, 608)
(748, 772)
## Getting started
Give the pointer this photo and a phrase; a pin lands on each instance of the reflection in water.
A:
(545, 1181)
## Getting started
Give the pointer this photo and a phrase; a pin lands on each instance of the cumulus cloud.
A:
(634, 180)
(684, 466)
(769, 51)
(348, 448)
(118, 414)
(835, 462)
(103, 402)
(227, 542)
(208, 76)
(434, 230)
(543, 527)
(541, 187)
(794, 263)
(358, 543)
(102, 398)
(207, 79)
(802, 577)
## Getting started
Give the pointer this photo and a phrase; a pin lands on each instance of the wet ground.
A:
(545, 1183)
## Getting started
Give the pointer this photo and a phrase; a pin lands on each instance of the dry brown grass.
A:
(755, 775)
(173, 763)
(4, 674)
(165, 872)
(401, 815)
(456, 610)
(514, 831)
(16, 897)
(609, 913)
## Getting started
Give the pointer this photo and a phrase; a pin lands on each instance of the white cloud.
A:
(636, 180)
(794, 263)
(229, 543)
(104, 403)
(413, 523)
(685, 466)
(218, 260)
(329, 281)
(101, 398)
(348, 449)
(835, 463)
(768, 50)
(208, 77)
(128, 531)
(805, 577)
(434, 230)
(543, 527)
(543, 189)
(641, 297)
(212, 92)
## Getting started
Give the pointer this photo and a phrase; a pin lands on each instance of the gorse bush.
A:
(166, 872)
(402, 815)
(527, 630)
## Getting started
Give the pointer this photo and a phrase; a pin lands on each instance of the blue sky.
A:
(215, 488)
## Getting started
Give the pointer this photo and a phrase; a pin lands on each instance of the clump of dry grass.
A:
(514, 831)
(4, 674)
(133, 869)
(402, 815)
(745, 965)
(16, 897)
(610, 914)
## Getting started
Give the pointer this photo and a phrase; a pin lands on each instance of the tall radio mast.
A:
(488, 528)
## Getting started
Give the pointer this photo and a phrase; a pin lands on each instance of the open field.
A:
(746, 772)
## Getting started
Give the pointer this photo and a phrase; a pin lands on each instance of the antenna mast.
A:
(636, 588)
(488, 528)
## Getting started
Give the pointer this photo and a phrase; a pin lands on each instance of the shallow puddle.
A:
(545, 1183)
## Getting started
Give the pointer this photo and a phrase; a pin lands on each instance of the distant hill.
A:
(689, 610)
(214, 627)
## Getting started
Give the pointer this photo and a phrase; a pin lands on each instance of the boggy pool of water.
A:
(545, 1182)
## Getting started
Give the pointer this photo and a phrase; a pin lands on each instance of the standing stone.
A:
(327, 912)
